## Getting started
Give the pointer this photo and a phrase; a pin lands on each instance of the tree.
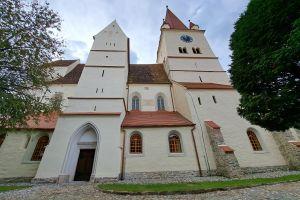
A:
(28, 40)
(265, 67)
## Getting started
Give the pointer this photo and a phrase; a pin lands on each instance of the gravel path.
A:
(88, 191)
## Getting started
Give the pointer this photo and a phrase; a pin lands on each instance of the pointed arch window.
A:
(135, 103)
(160, 103)
(136, 144)
(254, 141)
(40, 148)
(174, 143)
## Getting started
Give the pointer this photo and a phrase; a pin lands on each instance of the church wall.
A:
(148, 94)
(16, 152)
(234, 128)
(109, 153)
(156, 156)
(209, 77)
(106, 58)
(194, 64)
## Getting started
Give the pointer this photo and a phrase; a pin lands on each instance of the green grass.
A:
(197, 186)
(7, 188)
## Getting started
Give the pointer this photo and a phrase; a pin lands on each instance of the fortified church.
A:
(175, 118)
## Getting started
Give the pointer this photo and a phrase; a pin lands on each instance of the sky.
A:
(141, 21)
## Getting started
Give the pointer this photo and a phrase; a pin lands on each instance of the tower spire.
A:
(173, 21)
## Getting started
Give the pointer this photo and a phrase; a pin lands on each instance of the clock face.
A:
(186, 38)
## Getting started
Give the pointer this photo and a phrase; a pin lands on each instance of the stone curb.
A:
(189, 192)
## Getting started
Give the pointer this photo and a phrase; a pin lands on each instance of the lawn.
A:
(194, 187)
(7, 188)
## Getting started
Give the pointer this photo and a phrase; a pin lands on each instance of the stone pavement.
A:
(88, 191)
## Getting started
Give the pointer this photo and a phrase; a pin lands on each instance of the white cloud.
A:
(141, 20)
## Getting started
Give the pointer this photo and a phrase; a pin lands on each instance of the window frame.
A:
(160, 100)
(181, 153)
(37, 149)
(254, 141)
(134, 104)
(129, 144)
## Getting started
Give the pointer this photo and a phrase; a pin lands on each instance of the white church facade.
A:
(175, 118)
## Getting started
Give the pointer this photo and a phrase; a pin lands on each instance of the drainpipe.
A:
(122, 173)
(196, 152)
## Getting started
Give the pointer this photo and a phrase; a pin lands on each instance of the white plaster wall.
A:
(13, 159)
(156, 156)
(107, 58)
(209, 77)
(195, 64)
(109, 155)
(112, 82)
(234, 128)
(148, 94)
(172, 39)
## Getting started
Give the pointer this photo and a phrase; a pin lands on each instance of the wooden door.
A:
(84, 165)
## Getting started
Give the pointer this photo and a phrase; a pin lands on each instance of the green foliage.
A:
(265, 65)
(28, 40)
(200, 186)
(7, 188)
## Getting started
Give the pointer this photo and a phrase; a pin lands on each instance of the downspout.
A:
(172, 97)
(196, 152)
(122, 173)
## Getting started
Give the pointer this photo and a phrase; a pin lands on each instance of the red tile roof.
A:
(62, 63)
(190, 85)
(154, 119)
(212, 124)
(147, 73)
(43, 122)
(72, 77)
(191, 24)
(173, 21)
(226, 149)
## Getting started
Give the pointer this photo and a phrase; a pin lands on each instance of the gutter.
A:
(122, 171)
(196, 152)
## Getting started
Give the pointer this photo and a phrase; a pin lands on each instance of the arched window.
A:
(254, 141)
(136, 143)
(40, 148)
(2, 137)
(135, 103)
(160, 103)
(174, 143)
(180, 50)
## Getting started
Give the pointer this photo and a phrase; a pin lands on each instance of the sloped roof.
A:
(62, 63)
(190, 85)
(72, 77)
(147, 73)
(44, 122)
(173, 21)
(154, 119)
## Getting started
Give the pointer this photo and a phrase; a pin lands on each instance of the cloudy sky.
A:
(141, 21)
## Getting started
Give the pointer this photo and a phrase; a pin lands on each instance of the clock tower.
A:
(187, 54)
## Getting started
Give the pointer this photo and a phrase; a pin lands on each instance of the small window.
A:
(184, 50)
(40, 148)
(135, 103)
(2, 137)
(180, 50)
(199, 100)
(102, 72)
(160, 103)
(174, 143)
(254, 141)
(214, 98)
(136, 143)
(200, 79)
(198, 50)
(194, 50)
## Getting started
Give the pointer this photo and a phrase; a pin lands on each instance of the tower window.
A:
(160, 103)
(184, 50)
(196, 50)
(199, 100)
(180, 50)
(200, 79)
(214, 98)
(102, 73)
(135, 103)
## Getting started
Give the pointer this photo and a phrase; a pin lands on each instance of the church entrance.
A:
(84, 165)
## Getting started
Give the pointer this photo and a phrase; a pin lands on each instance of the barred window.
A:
(254, 141)
(174, 144)
(135, 103)
(40, 148)
(2, 137)
(136, 144)
(160, 103)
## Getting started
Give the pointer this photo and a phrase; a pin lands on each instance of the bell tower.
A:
(187, 54)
